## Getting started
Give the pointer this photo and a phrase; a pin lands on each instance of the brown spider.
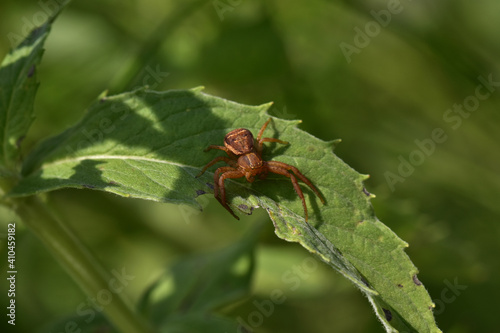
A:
(245, 160)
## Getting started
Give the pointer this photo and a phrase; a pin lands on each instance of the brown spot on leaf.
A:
(388, 314)
(31, 72)
(366, 192)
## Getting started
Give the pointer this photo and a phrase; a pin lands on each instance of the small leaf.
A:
(200, 284)
(149, 145)
(18, 86)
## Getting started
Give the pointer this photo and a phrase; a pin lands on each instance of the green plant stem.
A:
(8, 179)
(79, 262)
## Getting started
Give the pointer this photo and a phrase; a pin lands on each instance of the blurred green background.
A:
(396, 84)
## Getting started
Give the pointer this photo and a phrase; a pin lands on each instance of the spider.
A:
(245, 160)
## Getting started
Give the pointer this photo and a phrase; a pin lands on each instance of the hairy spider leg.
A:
(298, 174)
(295, 183)
(216, 160)
(261, 140)
(226, 172)
(217, 147)
(262, 129)
(284, 169)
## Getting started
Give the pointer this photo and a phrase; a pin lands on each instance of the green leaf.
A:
(149, 145)
(141, 144)
(193, 287)
(18, 86)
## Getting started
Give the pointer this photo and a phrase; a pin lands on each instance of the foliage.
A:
(140, 145)
(117, 147)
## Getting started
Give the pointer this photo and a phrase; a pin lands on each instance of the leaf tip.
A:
(102, 96)
(333, 143)
(295, 122)
(198, 89)
(266, 107)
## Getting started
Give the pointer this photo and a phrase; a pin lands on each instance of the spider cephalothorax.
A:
(245, 160)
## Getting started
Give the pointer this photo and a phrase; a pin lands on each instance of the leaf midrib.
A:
(113, 157)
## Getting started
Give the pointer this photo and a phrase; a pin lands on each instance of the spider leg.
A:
(282, 171)
(261, 140)
(217, 176)
(226, 172)
(298, 174)
(215, 160)
(217, 147)
(262, 129)
(272, 140)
